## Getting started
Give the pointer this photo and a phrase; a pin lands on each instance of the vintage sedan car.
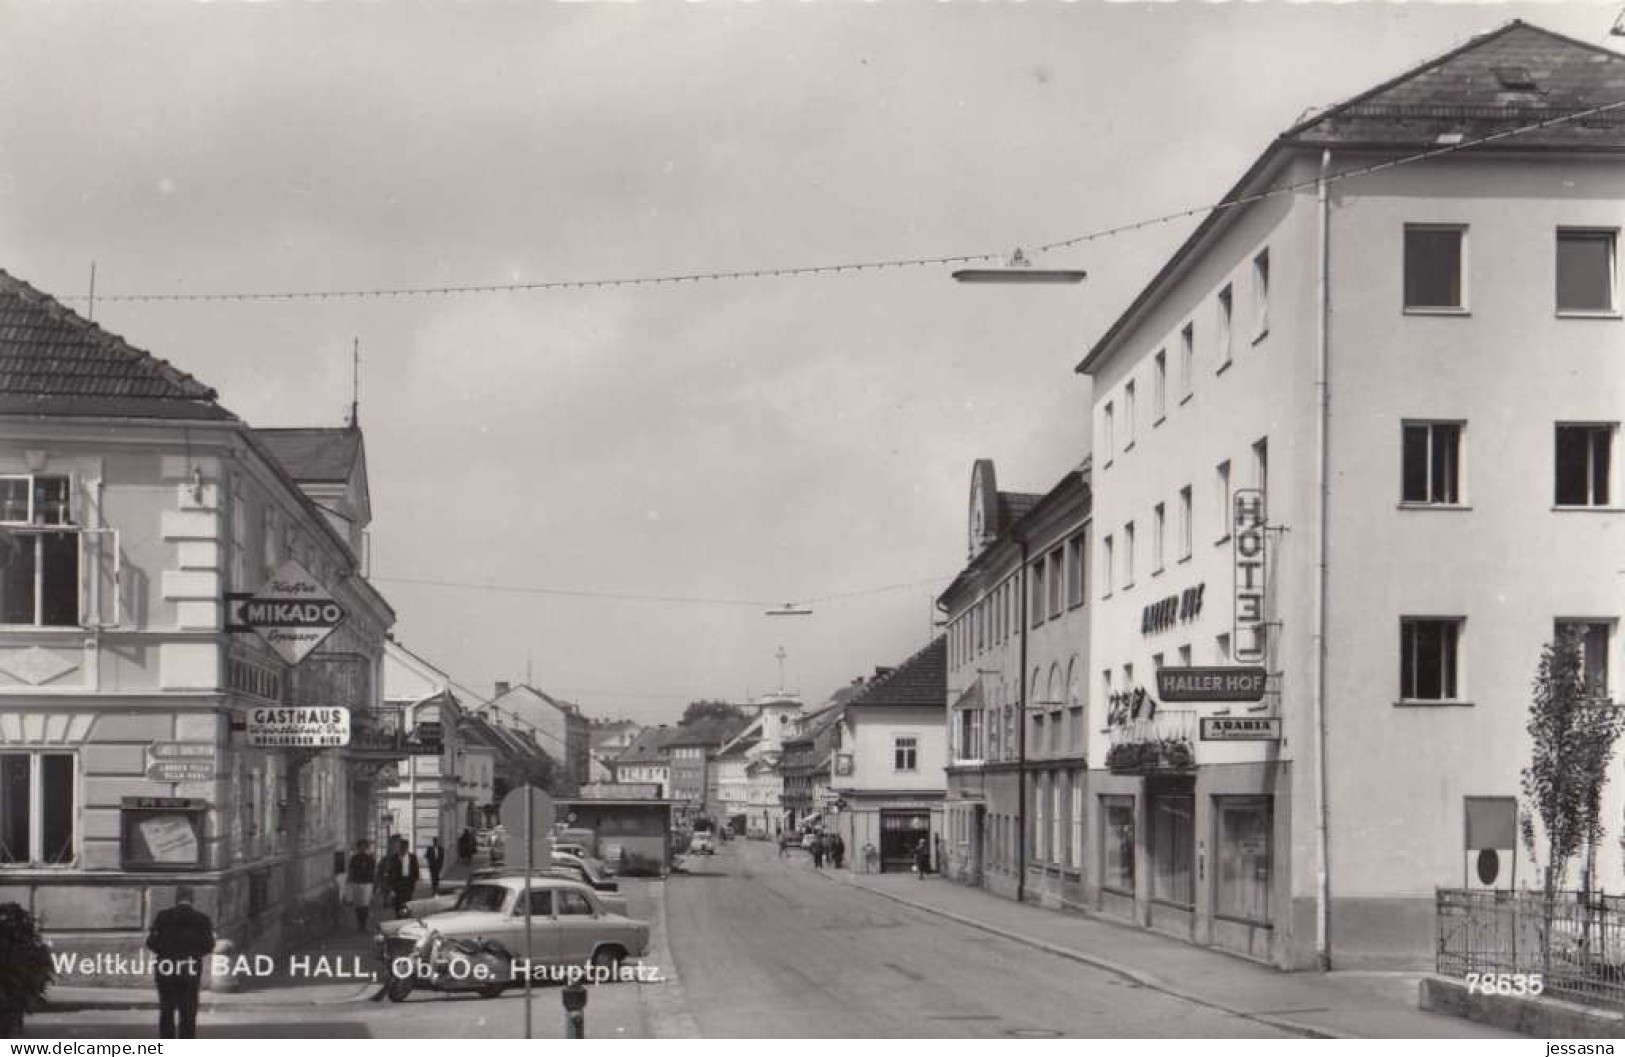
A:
(612, 900)
(700, 844)
(569, 923)
(588, 871)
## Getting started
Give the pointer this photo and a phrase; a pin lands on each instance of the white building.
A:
(1413, 377)
(429, 797)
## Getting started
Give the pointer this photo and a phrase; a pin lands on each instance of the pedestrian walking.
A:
(818, 851)
(922, 858)
(359, 876)
(434, 859)
(465, 847)
(837, 850)
(181, 937)
(784, 845)
(401, 873)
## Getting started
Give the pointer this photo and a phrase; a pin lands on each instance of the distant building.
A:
(556, 725)
(437, 781)
(889, 766)
(644, 761)
(607, 739)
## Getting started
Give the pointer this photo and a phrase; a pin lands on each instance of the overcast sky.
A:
(761, 440)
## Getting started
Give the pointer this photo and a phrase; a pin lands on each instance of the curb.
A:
(1135, 976)
(665, 1004)
(84, 1002)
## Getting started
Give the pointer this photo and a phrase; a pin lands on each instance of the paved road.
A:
(765, 947)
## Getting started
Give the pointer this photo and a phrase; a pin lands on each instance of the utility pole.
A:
(90, 310)
(781, 655)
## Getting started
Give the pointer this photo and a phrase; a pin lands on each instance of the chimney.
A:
(502, 687)
(879, 672)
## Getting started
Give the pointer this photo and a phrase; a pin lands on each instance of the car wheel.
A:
(493, 989)
(609, 957)
(398, 987)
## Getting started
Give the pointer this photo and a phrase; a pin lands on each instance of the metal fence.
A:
(1574, 942)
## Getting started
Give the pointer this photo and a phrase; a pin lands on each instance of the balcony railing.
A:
(1164, 742)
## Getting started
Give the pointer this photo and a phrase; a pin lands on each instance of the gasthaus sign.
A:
(298, 728)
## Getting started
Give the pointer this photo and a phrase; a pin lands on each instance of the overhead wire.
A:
(627, 596)
(855, 266)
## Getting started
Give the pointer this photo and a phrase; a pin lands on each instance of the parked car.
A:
(588, 871)
(701, 844)
(418, 908)
(569, 923)
(570, 848)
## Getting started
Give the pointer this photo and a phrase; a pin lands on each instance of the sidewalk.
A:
(331, 970)
(1321, 1005)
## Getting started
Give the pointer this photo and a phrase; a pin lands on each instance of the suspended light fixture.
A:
(1019, 270)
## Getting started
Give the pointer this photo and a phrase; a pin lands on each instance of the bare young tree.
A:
(1572, 728)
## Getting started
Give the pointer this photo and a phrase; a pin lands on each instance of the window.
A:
(1261, 465)
(1242, 872)
(1221, 649)
(1261, 294)
(1592, 636)
(1184, 522)
(1057, 821)
(1227, 307)
(573, 904)
(1036, 580)
(1117, 843)
(1076, 552)
(1128, 555)
(1159, 385)
(1221, 493)
(1040, 831)
(1108, 427)
(1106, 567)
(1128, 416)
(1158, 525)
(1074, 851)
(1584, 464)
(969, 733)
(1173, 843)
(979, 620)
(37, 808)
(1432, 463)
(541, 903)
(1433, 267)
(1428, 659)
(1185, 656)
(239, 535)
(905, 753)
(1057, 581)
(39, 561)
(1187, 357)
(1586, 275)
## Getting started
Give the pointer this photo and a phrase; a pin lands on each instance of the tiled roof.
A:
(1517, 75)
(1013, 506)
(920, 680)
(646, 747)
(711, 731)
(315, 454)
(55, 362)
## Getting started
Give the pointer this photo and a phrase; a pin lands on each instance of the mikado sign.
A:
(1248, 533)
(293, 612)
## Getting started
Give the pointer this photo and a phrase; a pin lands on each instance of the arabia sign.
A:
(1241, 728)
(292, 612)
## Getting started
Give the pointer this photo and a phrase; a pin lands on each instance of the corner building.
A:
(1452, 503)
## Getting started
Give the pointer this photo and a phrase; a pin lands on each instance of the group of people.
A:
(823, 846)
(398, 873)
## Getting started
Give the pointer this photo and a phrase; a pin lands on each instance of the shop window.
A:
(1242, 871)
(1429, 659)
(1037, 845)
(161, 833)
(39, 554)
(1586, 275)
(1117, 843)
(1433, 267)
(1173, 841)
(1432, 463)
(1057, 802)
(37, 808)
(1074, 851)
(1584, 464)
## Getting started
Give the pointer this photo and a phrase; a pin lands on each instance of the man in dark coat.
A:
(818, 851)
(466, 846)
(434, 858)
(359, 876)
(181, 937)
(922, 858)
(837, 851)
(401, 874)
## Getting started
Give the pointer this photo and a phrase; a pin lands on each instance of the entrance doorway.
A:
(900, 833)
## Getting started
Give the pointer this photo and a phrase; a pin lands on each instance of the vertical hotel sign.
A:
(1248, 540)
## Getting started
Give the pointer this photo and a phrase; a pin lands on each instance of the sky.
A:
(747, 443)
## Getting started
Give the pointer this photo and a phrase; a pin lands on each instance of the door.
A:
(978, 823)
(578, 928)
(544, 941)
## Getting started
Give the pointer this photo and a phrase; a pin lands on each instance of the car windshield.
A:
(483, 897)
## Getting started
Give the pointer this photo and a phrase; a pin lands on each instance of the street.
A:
(768, 948)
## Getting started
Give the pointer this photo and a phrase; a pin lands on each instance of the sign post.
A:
(529, 811)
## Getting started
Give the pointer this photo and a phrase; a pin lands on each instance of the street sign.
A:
(293, 612)
(1211, 684)
(298, 728)
(1241, 728)
(179, 761)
